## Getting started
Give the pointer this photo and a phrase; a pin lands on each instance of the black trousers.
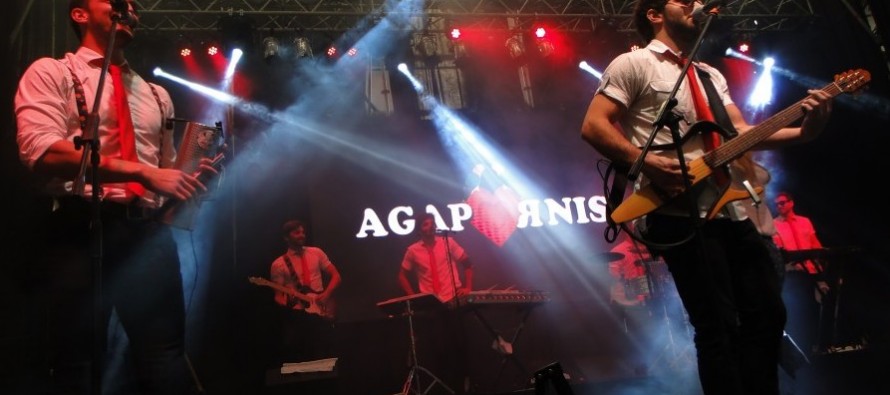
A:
(729, 287)
(305, 337)
(141, 282)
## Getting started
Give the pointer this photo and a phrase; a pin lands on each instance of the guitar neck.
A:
(734, 148)
(281, 288)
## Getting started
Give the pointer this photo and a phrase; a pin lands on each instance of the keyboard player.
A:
(434, 260)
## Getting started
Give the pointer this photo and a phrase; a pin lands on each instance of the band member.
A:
(309, 309)
(806, 284)
(434, 263)
(724, 274)
(139, 259)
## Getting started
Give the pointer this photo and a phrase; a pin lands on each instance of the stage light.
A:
(586, 67)
(332, 51)
(352, 52)
(402, 67)
(212, 50)
(545, 47)
(302, 48)
(744, 47)
(763, 90)
(540, 32)
(185, 52)
(455, 34)
(427, 46)
(514, 47)
(270, 47)
(233, 61)
(634, 47)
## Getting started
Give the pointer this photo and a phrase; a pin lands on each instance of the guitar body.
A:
(721, 185)
(305, 297)
(719, 176)
(312, 306)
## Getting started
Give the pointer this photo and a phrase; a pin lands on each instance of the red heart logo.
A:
(494, 214)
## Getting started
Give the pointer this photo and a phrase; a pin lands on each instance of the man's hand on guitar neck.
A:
(817, 107)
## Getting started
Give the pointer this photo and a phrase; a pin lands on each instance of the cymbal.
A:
(610, 256)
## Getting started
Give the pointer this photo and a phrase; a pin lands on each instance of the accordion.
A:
(198, 142)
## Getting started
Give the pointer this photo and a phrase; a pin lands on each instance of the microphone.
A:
(701, 11)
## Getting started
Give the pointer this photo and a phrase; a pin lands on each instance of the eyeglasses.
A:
(685, 3)
(782, 202)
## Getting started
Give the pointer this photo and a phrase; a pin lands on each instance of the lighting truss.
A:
(342, 15)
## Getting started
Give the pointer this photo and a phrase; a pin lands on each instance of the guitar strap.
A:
(290, 270)
(717, 107)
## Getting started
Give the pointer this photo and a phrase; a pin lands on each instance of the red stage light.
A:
(352, 52)
(455, 34)
(540, 32)
(185, 52)
(212, 50)
(744, 47)
(332, 51)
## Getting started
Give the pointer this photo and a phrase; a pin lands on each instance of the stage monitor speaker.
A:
(552, 374)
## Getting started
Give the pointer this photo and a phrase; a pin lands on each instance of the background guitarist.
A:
(306, 335)
(724, 274)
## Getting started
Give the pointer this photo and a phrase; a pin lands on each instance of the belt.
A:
(131, 211)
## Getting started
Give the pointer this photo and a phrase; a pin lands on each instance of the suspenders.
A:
(83, 111)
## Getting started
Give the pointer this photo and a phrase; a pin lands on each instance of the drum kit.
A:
(649, 295)
(652, 281)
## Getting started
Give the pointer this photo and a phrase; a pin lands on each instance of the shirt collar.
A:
(95, 59)
(662, 49)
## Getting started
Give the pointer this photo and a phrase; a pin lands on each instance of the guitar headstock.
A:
(258, 280)
(852, 80)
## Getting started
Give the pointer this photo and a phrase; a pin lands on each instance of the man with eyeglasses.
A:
(805, 280)
(723, 273)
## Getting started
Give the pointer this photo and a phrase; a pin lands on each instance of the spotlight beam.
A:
(586, 67)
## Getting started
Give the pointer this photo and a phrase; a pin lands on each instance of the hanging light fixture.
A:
(514, 46)
(302, 47)
(270, 48)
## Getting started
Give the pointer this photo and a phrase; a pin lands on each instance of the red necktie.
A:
(125, 125)
(434, 271)
(702, 109)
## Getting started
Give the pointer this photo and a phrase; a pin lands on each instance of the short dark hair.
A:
(72, 4)
(787, 195)
(419, 218)
(291, 225)
(641, 21)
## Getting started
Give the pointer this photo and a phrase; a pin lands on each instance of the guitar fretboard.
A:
(734, 148)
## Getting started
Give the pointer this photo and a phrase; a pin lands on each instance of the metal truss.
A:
(179, 16)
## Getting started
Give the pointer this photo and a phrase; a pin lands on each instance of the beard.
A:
(682, 31)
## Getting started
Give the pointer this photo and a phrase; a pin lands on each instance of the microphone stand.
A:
(667, 117)
(89, 143)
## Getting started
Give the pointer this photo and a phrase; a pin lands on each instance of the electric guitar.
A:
(729, 187)
(307, 298)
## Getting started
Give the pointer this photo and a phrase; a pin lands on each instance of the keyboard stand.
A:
(499, 347)
(410, 303)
